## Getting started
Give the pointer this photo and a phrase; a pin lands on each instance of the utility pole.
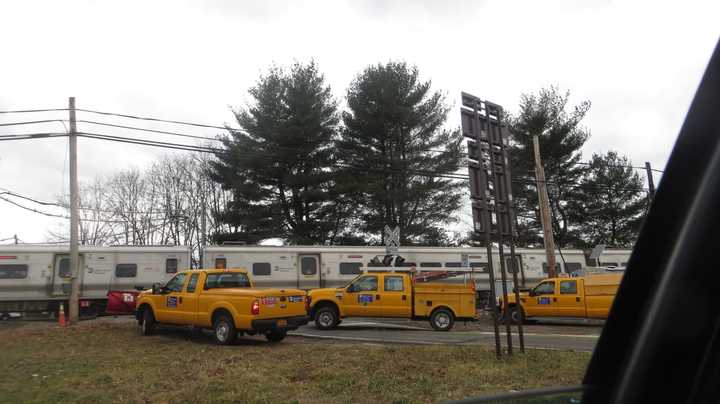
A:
(544, 210)
(203, 237)
(74, 202)
(651, 183)
(15, 237)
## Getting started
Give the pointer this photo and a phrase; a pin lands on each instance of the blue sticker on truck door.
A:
(544, 300)
(365, 299)
(172, 301)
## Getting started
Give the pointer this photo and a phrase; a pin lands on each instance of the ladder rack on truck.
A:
(425, 274)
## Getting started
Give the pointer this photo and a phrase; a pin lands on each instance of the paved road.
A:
(388, 332)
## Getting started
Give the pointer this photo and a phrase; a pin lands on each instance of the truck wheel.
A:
(326, 318)
(224, 330)
(442, 320)
(148, 322)
(276, 336)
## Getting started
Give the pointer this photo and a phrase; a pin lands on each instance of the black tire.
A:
(326, 318)
(224, 330)
(276, 335)
(515, 315)
(442, 320)
(148, 324)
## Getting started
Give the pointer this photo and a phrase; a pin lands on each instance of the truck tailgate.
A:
(282, 303)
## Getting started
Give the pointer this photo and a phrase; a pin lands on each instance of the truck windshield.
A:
(227, 280)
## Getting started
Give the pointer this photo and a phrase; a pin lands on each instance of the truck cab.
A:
(394, 293)
(576, 297)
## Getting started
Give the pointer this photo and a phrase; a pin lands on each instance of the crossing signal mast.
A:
(491, 197)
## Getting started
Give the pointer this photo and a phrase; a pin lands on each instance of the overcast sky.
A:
(638, 62)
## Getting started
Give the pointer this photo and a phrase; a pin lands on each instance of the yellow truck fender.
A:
(217, 306)
(442, 306)
(141, 305)
(324, 302)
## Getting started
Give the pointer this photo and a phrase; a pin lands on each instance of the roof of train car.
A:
(91, 249)
(374, 249)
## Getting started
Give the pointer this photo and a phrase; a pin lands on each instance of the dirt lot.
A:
(109, 361)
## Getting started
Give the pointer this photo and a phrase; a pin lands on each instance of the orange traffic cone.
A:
(61, 316)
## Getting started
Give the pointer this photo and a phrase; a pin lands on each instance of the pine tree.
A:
(392, 146)
(560, 136)
(613, 202)
(279, 167)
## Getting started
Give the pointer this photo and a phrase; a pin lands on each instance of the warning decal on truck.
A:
(172, 301)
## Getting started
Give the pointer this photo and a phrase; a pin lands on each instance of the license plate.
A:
(282, 323)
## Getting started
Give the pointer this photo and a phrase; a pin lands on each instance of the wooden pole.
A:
(548, 239)
(73, 307)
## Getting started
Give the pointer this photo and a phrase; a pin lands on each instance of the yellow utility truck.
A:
(225, 301)
(588, 296)
(399, 293)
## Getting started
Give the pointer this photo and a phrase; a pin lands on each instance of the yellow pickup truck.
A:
(399, 294)
(225, 301)
(581, 297)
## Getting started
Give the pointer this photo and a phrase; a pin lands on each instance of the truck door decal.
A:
(543, 300)
(365, 299)
(172, 301)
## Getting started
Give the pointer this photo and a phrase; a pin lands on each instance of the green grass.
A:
(106, 362)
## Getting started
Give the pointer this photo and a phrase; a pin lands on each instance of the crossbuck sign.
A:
(392, 239)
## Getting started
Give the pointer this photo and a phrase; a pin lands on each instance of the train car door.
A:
(308, 273)
(62, 277)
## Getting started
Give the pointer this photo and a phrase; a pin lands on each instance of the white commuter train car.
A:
(309, 267)
(37, 278)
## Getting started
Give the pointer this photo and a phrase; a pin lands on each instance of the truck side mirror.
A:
(350, 289)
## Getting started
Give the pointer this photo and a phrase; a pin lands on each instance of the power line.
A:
(117, 212)
(68, 217)
(31, 122)
(27, 136)
(22, 111)
(149, 130)
(201, 125)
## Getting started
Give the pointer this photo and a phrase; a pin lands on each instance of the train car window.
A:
(171, 265)
(13, 271)
(545, 268)
(125, 270)
(592, 262)
(192, 283)
(571, 267)
(261, 268)
(350, 268)
(509, 265)
(453, 264)
(64, 268)
(481, 266)
(430, 264)
(220, 263)
(308, 265)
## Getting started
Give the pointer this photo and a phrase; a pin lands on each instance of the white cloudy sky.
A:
(639, 62)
